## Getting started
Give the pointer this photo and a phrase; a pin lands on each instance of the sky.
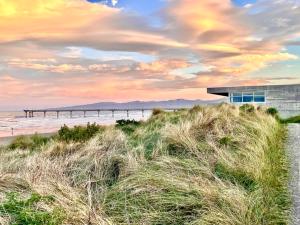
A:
(70, 52)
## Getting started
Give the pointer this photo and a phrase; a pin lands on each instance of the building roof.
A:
(224, 91)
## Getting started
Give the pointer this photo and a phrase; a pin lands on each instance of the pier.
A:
(29, 113)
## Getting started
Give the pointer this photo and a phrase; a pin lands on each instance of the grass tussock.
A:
(203, 166)
(28, 211)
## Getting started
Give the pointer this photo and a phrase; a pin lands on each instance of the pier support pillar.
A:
(98, 113)
(57, 114)
(127, 113)
(143, 111)
(84, 114)
(71, 114)
(45, 114)
(26, 114)
(113, 113)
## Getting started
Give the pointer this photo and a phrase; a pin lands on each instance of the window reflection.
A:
(248, 97)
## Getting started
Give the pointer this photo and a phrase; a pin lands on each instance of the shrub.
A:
(38, 140)
(127, 122)
(272, 111)
(78, 133)
(247, 108)
(27, 212)
(128, 126)
(157, 111)
(28, 142)
(21, 142)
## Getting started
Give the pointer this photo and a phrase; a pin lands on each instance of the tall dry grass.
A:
(204, 166)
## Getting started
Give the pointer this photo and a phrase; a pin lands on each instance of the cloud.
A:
(161, 69)
(84, 24)
(234, 40)
(114, 2)
(47, 47)
(11, 87)
(61, 68)
(246, 63)
(293, 43)
(190, 26)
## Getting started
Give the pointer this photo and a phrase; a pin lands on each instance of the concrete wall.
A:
(286, 98)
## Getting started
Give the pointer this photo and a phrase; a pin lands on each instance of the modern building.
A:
(285, 98)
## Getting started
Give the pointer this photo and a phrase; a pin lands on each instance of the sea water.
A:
(15, 123)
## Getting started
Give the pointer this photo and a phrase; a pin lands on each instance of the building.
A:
(285, 98)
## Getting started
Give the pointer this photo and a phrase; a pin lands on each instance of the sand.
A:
(6, 140)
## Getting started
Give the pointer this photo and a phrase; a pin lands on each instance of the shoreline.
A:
(4, 141)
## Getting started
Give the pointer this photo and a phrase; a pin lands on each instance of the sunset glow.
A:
(66, 52)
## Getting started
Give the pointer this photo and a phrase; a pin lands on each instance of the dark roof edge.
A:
(255, 86)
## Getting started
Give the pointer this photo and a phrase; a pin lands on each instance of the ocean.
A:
(15, 123)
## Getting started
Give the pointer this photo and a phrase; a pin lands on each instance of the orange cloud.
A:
(245, 63)
(47, 19)
(209, 33)
(76, 21)
(218, 19)
(218, 32)
(163, 65)
(224, 37)
(62, 68)
(160, 68)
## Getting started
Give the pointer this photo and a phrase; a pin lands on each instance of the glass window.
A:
(236, 94)
(237, 99)
(248, 98)
(259, 98)
(259, 93)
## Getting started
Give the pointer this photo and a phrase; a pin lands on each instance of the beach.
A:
(6, 140)
(15, 122)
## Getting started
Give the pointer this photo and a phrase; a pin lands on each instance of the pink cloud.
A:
(212, 34)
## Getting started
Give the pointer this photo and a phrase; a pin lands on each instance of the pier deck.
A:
(29, 113)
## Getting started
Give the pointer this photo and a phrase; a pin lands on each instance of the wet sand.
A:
(6, 140)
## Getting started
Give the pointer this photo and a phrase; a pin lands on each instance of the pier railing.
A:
(29, 113)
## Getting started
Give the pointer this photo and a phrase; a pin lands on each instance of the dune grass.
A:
(28, 142)
(274, 112)
(294, 119)
(205, 166)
